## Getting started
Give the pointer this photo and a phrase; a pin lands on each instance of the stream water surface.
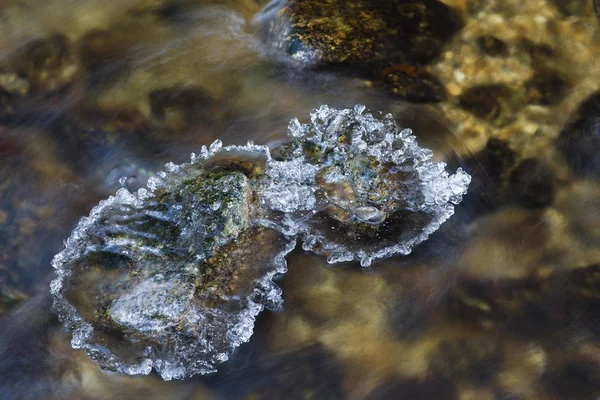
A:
(503, 302)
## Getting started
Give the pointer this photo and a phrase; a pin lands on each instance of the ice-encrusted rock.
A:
(359, 188)
(173, 276)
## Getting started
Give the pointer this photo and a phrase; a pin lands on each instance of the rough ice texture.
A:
(360, 188)
(172, 277)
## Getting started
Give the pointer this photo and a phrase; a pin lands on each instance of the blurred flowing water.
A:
(502, 303)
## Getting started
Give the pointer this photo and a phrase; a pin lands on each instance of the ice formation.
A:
(172, 277)
(355, 187)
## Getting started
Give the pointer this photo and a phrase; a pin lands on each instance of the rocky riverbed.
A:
(500, 303)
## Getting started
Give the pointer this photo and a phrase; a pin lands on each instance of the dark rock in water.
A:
(421, 27)
(579, 141)
(408, 316)
(48, 64)
(172, 278)
(490, 170)
(412, 84)
(8, 106)
(531, 184)
(307, 373)
(573, 7)
(547, 308)
(474, 359)
(365, 37)
(104, 55)
(415, 389)
(573, 378)
(494, 103)
(334, 32)
(492, 46)
(182, 107)
(547, 87)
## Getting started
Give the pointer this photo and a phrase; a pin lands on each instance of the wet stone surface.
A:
(572, 7)
(386, 42)
(476, 359)
(317, 33)
(9, 298)
(106, 55)
(31, 211)
(547, 87)
(180, 108)
(573, 378)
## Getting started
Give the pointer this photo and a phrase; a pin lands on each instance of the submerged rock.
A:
(490, 169)
(49, 64)
(290, 375)
(172, 277)
(412, 84)
(532, 184)
(549, 305)
(493, 103)
(358, 188)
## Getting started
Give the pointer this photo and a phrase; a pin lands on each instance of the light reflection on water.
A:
(489, 308)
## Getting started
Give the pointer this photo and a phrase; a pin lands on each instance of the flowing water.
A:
(503, 302)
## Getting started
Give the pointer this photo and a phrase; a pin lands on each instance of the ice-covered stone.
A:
(369, 188)
(172, 278)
